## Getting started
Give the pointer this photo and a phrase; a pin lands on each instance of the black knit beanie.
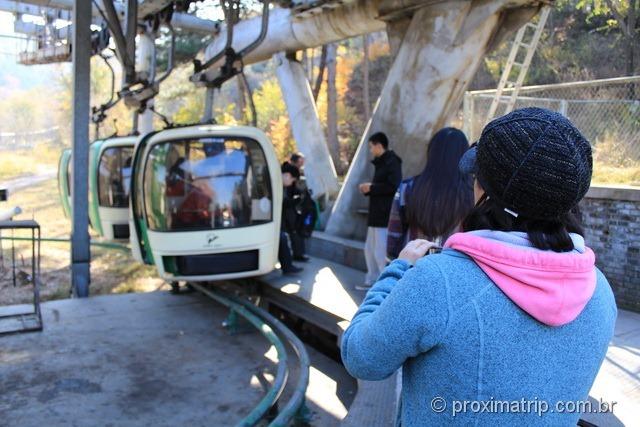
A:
(533, 162)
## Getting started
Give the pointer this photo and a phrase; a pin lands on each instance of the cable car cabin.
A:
(64, 181)
(206, 203)
(109, 185)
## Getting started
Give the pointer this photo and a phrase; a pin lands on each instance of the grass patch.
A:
(607, 174)
(14, 164)
(112, 271)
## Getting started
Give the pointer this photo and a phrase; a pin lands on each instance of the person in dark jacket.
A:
(289, 176)
(386, 178)
(297, 192)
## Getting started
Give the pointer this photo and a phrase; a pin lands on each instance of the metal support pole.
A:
(135, 118)
(80, 252)
(208, 105)
(145, 64)
(131, 29)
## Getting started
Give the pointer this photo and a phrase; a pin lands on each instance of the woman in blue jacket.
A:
(512, 320)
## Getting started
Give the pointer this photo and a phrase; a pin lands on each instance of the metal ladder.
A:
(518, 45)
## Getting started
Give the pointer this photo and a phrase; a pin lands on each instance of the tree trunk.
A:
(332, 108)
(633, 38)
(320, 77)
(628, 28)
(365, 84)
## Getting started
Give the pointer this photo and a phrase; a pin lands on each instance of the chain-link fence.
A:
(607, 112)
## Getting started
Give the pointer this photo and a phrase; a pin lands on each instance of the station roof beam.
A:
(184, 21)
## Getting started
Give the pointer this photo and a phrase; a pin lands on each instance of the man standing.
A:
(289, 176)
(297, 193)
(386, 178)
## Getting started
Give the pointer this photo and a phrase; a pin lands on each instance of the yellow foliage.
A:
(225, 116)
(273, 117)
(280, 134)
(190, 112)
(269, 103)
(378, 49)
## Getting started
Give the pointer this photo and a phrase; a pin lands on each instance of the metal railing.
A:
(607, 112)
(277, 333)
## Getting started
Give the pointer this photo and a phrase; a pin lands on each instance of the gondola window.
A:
(114, 177)
(207, 183)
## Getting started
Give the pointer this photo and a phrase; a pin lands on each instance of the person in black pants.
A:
(289, 175)
(295, 193)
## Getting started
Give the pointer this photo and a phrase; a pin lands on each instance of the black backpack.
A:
(307, 214)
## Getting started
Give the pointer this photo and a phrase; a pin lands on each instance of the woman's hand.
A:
(415, 250)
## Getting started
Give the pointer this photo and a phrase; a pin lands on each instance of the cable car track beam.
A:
(296, 402)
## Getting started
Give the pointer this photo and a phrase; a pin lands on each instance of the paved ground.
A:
(619, 378)
(16, 184)
(158, 359)
(146, 359)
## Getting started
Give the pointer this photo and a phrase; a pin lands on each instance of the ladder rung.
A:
(519, 64)
(526, 45)
(530, 25)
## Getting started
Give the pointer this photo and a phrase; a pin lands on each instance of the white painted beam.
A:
(306, 127)
(289, 33)
(149, 7)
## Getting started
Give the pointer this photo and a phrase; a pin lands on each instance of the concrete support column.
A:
(80, 251)
(306, 127)
(146, 63)
(437, 58)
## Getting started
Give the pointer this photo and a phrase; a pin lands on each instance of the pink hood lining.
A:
(552, 287)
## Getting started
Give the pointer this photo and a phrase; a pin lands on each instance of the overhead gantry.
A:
(437, 47)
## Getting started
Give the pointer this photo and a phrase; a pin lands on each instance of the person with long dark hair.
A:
(432, 204)
(512, 320)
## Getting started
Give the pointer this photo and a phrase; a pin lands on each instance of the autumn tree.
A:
(623, 15)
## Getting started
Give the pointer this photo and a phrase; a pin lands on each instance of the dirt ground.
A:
(112, 271)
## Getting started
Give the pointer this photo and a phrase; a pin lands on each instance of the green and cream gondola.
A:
(206, 202)
(64, 181)
(109, 185)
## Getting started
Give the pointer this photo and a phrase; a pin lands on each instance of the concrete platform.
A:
(147, 359)
(619, 377)
(323, 293)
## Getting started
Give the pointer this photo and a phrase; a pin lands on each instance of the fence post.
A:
(563, 107)
(467, 119)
